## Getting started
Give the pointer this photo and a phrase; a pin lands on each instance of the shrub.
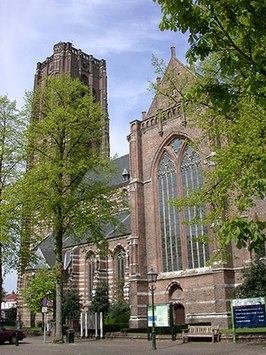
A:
(39, 324)
(100, 302)
(71, 305)
(118, 314)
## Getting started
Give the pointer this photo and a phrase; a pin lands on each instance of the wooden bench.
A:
(201, 331)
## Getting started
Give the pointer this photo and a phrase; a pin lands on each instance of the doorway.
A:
(178, 314)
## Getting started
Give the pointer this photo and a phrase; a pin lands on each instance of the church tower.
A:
(91, 71)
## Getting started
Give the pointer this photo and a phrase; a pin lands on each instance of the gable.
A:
(161, 102)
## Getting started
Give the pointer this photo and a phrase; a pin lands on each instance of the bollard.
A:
(17, 339)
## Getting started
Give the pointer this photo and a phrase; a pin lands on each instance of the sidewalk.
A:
(36, 346)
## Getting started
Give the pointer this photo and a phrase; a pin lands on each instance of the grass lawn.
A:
(244, 330)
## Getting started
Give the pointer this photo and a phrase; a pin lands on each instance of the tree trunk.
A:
(58, 230)
(59, 295)
(1, 283)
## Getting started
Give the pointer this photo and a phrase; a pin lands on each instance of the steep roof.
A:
(44, 252)
(159, 101)
(119, 176)
(10, 298)
(121, 165)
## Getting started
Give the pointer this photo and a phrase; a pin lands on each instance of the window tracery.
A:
(119, 272)
(179, 173)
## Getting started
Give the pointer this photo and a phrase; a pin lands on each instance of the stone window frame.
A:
(180, 247)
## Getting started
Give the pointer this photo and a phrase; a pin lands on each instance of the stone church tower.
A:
(91, 71)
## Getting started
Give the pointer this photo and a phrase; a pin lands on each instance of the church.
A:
(162, 165)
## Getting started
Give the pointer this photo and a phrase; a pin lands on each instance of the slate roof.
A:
(119, 176)
(121, 228)
(44, 255)
(121, 165)
(44, 252)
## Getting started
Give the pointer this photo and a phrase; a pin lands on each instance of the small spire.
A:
(173, 52)
(125, 175)
(143, 115)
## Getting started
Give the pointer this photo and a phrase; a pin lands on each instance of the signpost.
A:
(44, 312)
(44, 302)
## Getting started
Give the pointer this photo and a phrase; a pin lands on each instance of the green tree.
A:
(231, 28)
(11, 169)
(254, 281)
(66, 186)
(100, 301)
(118, 313)
(227, 101)
(71, 304)
(41, 284)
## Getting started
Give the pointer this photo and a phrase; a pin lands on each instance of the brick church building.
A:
(162, 164)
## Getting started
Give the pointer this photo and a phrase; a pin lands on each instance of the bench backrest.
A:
(200, 329)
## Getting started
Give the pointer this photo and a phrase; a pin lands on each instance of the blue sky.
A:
(123, 32)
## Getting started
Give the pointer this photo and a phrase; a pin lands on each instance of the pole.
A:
(17, 342)
(96, 324)
(86, 325)
(44, 327)
(233, 322)
(81, 325)
(101, 325)
(153, 335)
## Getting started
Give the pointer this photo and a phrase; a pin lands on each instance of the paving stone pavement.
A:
(36, 346)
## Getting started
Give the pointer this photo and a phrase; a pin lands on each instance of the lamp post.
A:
(152, 277)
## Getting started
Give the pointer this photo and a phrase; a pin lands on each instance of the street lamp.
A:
(152, 277)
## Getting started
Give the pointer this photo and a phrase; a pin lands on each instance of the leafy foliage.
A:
(233, 29)
(40, 285)
(71, 304)
(254, 281)
(11, 169)
(66, 188)
(100, 301)
(67, 167)
(227, 102)
(118, 313)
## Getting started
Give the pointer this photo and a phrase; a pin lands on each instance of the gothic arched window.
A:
(91, 272)
(119, 271)
(84, 79)
(180, 172)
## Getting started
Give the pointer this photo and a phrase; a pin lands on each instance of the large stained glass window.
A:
(179, 172)
(191, 172)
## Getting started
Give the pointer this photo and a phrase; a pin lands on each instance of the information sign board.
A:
(161, 315)
(249, 312)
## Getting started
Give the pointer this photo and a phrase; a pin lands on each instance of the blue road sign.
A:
(44, 302)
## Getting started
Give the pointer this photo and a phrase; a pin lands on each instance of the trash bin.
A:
(70, 335)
